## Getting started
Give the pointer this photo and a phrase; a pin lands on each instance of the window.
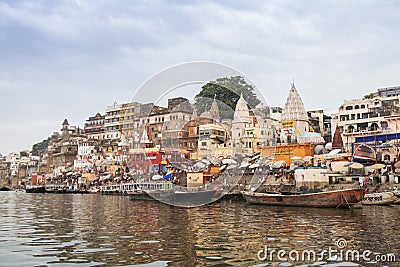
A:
(203, 143)
(349, 108)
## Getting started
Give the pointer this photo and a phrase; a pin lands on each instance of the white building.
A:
(374, 115)
(112, 122)
(294, 118)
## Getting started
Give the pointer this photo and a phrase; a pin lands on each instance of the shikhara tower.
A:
(294, 117)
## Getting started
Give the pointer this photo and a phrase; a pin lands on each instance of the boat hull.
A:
(328, 199)
(35, 189)
(184, 198)
(4, 188)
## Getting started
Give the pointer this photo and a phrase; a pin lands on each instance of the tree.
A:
(226, 90)
(369, 96)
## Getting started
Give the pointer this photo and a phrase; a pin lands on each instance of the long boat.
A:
(35, 189)
(5, 188)
(382, 198)
(325, 199)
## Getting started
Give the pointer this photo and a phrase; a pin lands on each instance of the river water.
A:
(104, 230)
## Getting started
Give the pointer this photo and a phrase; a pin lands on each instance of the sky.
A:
(73, 58)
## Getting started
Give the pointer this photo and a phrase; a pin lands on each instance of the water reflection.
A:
(98, 230)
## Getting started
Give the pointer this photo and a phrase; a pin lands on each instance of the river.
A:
(104, 230)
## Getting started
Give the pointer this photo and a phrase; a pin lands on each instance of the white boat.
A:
(382, 198)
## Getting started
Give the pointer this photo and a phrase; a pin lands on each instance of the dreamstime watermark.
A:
(340, 252)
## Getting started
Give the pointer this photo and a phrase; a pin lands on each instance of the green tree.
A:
(369, 96)
(227, 90)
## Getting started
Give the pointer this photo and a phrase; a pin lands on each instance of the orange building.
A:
(285, 152)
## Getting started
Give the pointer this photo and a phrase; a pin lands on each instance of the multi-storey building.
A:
(175, 130)
(94, 127)
(372, 119)
(320, 123)
(112, 121)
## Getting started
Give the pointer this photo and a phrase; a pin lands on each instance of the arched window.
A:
(349, 108)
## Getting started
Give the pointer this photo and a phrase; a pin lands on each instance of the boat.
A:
(148, 190)
(381, 198)
(35, 189)
(321, 199)
(397, 201)
(186, 197)
(5, 188)
(35, 186)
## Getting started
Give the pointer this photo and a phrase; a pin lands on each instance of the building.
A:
(212, 141)
(112, 122)
(320, 123)
(94, 127)
(175, 133)
(294, 118)
(364, 119)
(64, 147)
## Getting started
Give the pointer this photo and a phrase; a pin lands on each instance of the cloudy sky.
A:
(72, 58)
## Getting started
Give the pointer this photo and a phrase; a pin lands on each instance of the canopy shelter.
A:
(378, 166)
(310, 138)
(356, 165)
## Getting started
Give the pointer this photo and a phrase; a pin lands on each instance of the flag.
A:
(88, 160)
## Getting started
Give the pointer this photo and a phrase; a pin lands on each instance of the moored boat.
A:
(382, 198)
(5, 188)
(184, 198)
(324, 199)
(35, 189)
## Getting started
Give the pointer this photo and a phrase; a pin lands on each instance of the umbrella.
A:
(156, 177)
(328, 146)
(279, 164)
(377, 166)
(356, 165)
(347, 164)
(298, 162)
(222, 167)
(207, 162)
(254, 165)
(292, 166)
(232, 166)
(168, 176)
(199, 165)
(244, 165)
(308, 158)
(334, 152)
(229, 161)
(295, 158)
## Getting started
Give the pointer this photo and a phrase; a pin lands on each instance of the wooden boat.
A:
(35, 189)
(184, 198)
(382, 198)
(326, 199)
(5, 188)
(56, 188)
